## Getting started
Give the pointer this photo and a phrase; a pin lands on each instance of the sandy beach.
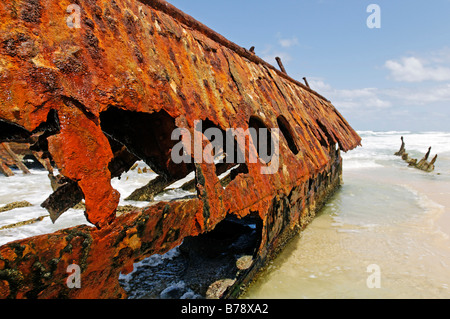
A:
(385, 214)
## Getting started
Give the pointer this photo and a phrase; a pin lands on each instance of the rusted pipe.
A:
(306, 82)
(280, 64)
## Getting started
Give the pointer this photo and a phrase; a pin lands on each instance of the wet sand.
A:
(403, 229)
(431, 186)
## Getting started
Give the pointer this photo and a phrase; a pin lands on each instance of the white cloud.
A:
(440, 56)
(413, 69)
(270, 57)
(420, 95)
(375, 98)
(412, 107)
(269, 53)
(287, 43)
(351, 98)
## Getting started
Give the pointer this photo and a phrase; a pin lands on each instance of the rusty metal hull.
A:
(132, 73)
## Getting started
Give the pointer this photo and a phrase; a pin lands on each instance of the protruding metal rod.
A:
(306, 82)
(433, 160)
(280, 64)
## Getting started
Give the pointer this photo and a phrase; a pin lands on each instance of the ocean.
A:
(384, 234)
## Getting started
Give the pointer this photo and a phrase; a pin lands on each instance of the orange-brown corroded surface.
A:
(132, 73)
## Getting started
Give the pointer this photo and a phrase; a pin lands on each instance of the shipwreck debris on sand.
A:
(95, 113)
(423, 164)
(20, 155)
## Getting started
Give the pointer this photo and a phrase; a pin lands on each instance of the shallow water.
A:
(386, 214)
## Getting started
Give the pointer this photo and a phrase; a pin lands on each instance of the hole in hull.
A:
(286, 130)
(136, 137)
(147, 136)
(261, 138)
(193, 269)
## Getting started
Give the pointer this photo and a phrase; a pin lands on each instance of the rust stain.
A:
(132, 73)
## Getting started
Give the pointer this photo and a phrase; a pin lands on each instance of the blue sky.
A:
(396, 77)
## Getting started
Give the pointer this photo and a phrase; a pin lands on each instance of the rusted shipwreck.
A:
(423, 164)
(110, 92)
